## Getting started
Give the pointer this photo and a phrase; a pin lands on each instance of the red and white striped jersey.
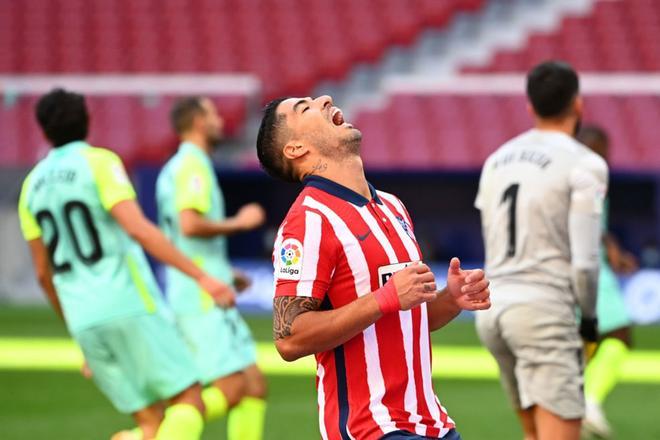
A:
(335, 245)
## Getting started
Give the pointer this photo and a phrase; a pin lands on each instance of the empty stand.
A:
(137, 128)
(290, 44)
(450, 131)
(617, 36)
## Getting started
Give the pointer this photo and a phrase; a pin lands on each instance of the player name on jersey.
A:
(534, 157)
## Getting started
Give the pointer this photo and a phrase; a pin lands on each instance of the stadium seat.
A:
(277, 40)
(454, 132)
(617, 36)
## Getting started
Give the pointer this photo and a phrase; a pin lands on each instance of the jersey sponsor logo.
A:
(290, 260)
(386, 272)
(406, 227)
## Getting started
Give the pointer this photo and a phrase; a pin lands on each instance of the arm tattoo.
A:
(285, 310)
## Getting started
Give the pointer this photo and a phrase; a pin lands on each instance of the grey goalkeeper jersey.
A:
(530, 191)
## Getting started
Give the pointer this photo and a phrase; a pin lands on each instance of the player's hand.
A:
(415, 285)
(250, 216)
(241, 281)
(589, 329)
(627, 263)
(86, 371)
(222, 294)
(468, 288)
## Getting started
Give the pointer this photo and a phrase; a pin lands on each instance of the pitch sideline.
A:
(62, 354)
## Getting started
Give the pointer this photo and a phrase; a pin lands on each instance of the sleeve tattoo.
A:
(285, 310)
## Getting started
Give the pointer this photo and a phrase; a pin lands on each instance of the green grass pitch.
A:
(40, 404)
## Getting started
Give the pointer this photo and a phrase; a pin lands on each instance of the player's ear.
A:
(530, 110)
(578, 106)
(294, 150)
(198, 122)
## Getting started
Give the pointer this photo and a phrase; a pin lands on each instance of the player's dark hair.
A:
(269, 143)
(551, 88)
(63, 117)
(183, 113)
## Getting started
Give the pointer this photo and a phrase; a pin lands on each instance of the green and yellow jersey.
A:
(188, 181)
(99, 272)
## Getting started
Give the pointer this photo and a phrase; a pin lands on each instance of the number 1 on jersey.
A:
(511, 194)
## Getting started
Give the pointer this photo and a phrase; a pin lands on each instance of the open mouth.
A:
(337, 117)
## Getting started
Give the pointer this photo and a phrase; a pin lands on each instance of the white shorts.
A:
(540, 355)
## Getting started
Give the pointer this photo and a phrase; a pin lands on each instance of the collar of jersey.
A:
(70, 146)
(334, 188)
(189, 146)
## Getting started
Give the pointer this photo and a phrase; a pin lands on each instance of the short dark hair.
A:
(551, 87)
(63, 116)
(269, 149)
(184, 111)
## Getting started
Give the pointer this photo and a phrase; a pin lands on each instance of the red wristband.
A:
(387, 298)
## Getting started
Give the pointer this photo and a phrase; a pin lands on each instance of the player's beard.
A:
(213, 140)
(352, 143)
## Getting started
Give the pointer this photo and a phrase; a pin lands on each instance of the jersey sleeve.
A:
(112, 182)
(304, 255)
(192, 187)
(588, 183)
(29, 225)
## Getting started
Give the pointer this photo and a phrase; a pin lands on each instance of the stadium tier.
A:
(137, 128)
(278, 40)
(616, 36)
(458, 131)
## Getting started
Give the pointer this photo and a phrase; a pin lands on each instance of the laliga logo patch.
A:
(406, 227)
(119, 174)
(196, 184)
(290, 262)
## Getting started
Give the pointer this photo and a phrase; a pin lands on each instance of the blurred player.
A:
(541, 198)
(192, 213)
(350, 287)
(84, 229)
(614, 323)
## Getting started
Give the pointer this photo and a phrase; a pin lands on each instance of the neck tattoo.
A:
(320, 167)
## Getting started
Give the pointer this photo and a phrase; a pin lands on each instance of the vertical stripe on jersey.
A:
(398, 206)
(362, 278)
(425, 350)
(408, 242)
(425, 354)
(320, 374)
(405, 319)
(311, 245)
(342, 392)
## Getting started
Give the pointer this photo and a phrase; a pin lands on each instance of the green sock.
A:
(215, 402)
(137, 432)
(246, 420)
(182, 422)
(602, 372)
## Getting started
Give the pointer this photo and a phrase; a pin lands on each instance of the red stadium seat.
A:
(446, 131)
(616, 36)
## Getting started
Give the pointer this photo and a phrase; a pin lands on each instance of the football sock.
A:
(602, 372)
(137, 432)
(182, 422)
(215, 402)
(246, 420)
